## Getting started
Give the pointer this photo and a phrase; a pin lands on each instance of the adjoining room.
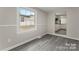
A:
(39, 29)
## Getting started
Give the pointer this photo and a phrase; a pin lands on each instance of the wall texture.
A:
(72, 22)
(8, 27)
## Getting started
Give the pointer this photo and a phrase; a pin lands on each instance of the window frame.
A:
(18, 20)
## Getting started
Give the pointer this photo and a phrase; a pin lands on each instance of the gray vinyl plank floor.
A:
(50, 43)
(63, 32)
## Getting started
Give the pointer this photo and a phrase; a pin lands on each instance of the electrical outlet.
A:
(9, 40)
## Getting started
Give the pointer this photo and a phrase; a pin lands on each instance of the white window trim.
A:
(18, 21)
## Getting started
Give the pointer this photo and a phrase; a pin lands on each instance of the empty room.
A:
(39, 28)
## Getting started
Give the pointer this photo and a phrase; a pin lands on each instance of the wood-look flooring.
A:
(50, 43)
(61, 31)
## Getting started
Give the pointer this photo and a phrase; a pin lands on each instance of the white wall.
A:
(8, 34)
(41, 27)
(9, 37)
(51, 27)
(72, 22)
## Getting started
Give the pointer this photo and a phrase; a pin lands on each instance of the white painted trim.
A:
(16, 45)
(39, 36)
(18, 20)
(65, 36)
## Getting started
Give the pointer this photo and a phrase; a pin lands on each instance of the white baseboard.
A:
(14, 46)
(39, 36)
(65, 36)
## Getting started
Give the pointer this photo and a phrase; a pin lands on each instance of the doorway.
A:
(60, 24)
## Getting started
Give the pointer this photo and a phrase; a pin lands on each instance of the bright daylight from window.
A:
(27, 19)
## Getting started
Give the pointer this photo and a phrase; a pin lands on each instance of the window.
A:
(26, 19)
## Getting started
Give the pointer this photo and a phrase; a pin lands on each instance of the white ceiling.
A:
(50, 9)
